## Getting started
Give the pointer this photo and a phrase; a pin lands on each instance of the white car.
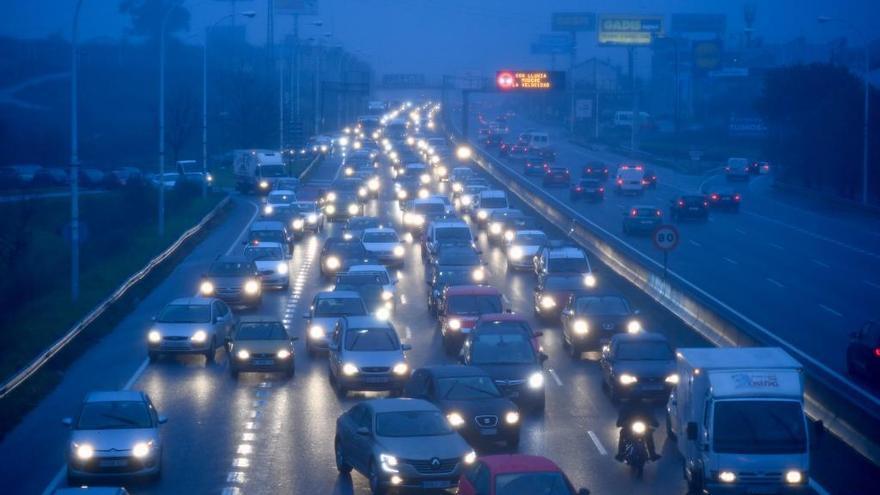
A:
(278, 198)
(521, 250)
(384, 244)
(389, 283)
(271, 263)
(489, 201)
(630, 179)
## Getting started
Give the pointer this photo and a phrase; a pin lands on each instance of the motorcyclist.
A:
(630, 412)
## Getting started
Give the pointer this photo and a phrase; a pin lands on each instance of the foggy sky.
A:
(451, 36)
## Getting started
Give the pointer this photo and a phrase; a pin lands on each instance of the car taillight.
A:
(680, 203)
(877, 352)
(737, 197)
(634, 213)
(645, 182)
(659, 213)
(638, 167)
(578, 189)
(705, 203)
(714, 197)
(601, 189)
(620, 181)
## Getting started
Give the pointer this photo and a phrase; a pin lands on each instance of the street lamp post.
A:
(74, 157)
(867, 106)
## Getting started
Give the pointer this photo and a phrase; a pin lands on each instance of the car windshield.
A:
(549, 483)
(276, 198)
(371, 339)
(306, 207)
(340, 306)
(493, 202)
(347, 248)
(452, 234)
(267, 236)
(375, 276)
(645, 351)
(466, 388)
(360, 278)
(362, 223)
(471, 304)
(412, 424)
(114, 415)
(601, 305)
(647, 212)
(371, 293)
(185, 313)
(508, 326)
(272, 171)
(530, 239)
(454, 277)
(259, 253)
(562, 265)
(429, 209)
(501, 348)
(458, 257)
(231, 269)
(759, 427)
(564, 283)
(261, 331)
(381, 237)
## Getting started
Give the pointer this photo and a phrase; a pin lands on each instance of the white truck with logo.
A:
(257, 170)
(737, 417)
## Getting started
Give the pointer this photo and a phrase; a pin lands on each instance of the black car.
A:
(345, 206)
(556, 176)
(590, 319)
(863, 351)
(471, 402)
(642, 219)
(458, 257)
(724, 199)
(235, 280)
(339, 253)
(595, 170)
(587, 189)
(553, 290)
(650, 179)
(689, 206)
(638, 366)
(446, 277)
(369, 286)
(508, 356)
(535, 166)
(407, 188)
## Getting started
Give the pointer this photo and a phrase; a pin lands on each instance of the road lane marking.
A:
(823, 265)
(245, 229)
(695, 243)
(408, 333)
(137, 374)
(830, 310)
(774, 282)
(776, 246)
(819, 489)
(729, 260)
(872, 284)
(555, 376)
(597, 443)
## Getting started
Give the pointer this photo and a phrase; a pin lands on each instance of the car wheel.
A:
(153, 356)
(573, 351)
(212, 350)
(339, 388)
(669, 433)
(233, 373)
(341, 464)
(291, 371)
(375, 482)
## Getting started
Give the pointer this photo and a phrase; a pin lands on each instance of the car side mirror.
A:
(405, 347)
(363, 430)
(333, 347)
(163, 420)
(543, 357)
(538, 334)
(818, 433)
(692, 431)
(68, 422)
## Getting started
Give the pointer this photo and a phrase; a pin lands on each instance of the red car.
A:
(556, 176)
(511, 320)
(515, 474)
(460, 308)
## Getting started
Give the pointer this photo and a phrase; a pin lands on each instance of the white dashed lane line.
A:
(555, 377)
(695, 243)
(872, 284)
(597, 443)
(732, 262)
(830, 310)
(822, 264)
(775, 282)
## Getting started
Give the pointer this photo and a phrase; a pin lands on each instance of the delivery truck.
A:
(257, 170)
(737, 418)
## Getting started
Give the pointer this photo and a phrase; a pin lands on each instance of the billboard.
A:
(699, 23)
(574, 21)
(628, 30)
(298, 7)
(530, 80)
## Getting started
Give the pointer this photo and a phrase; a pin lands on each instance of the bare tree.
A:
(182, 119)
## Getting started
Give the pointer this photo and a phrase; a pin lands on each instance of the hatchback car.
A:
(116, 435)
(471, 402)
(516, 474)
(863, 351)
(235, 280)
(535, 166)
(271, 263)
(642, 219)
(400, 443)
(190, 325)
(638, 366)
(724, 198)
(385, 245)
(595, 170)
(338, 254)
(261, 345)
(689, 206)
(522, 249)
(326, 309)
(588, 190)
(366, 354)
(556, 176)
(276, 198)
(306, 217)
(588, 320)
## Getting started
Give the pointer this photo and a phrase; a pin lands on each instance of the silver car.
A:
(326, 309)
(190, 325)
(400, 443)
(271, 262)
(114, 434)
(366, 354)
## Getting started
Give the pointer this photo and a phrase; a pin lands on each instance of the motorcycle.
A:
(635, 450)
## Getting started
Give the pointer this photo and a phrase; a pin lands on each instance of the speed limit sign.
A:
(666, 237)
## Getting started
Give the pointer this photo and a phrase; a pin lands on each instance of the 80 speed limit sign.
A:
(666, 237)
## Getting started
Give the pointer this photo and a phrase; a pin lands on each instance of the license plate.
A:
(376, 379)
(761, 490)
(488, 431)
(646, 222)
(263, 362)
(113, 463)
(436, 484)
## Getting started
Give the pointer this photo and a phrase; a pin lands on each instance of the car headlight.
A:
(400, 368)
(509, 235)
(264, 184)
(199, 337)
(536, 380)
(466, 200)
(267, 210)
(331, 196)
(495, 228)
(511, 418)
(482, 214)
(283, 354)
(794, 477)
(634, 326)
(251, 287)
(424, 193)
(515, 253)
(454, 324)
(154, 336)
(362, 192)
(312, 218)
(548, 302)
(324, 148)
(333, 263)
(455, 419)
(673, 379)
(387, 295)
(456, 187)
(581, 327)
(638, 427)
(401, 194)
(478, 275)
(206, 288)
(383, 313)
(726, 477)
(281, 268)
(388, 462)
(352, 209)
(316, 332)
(373, 184)
(84, 451)
(398, 251)
(298, 224)
(470, 457)
(425, 178)
(349, 171)
(243, 354)
(140, 450)
(627, 379)
(343, 141)
(349, 369)
(590, 280)
(330, 209)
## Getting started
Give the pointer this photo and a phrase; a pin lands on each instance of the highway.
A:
(265, 434)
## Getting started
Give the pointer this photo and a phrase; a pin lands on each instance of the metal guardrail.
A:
(23, 374)
(710, 317)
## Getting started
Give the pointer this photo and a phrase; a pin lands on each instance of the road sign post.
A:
(665, 239)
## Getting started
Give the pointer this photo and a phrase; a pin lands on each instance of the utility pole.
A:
(74, 156)
(634, 126)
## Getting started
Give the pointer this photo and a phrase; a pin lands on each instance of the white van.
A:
(535, 140)
(257, 170)
(630, 179)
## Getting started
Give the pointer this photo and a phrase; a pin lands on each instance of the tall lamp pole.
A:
(74, 156)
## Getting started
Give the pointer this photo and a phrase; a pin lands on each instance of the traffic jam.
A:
(452, 338)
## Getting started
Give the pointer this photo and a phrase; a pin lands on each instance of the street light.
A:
(74, 157)
(249, 14)
(865, 133)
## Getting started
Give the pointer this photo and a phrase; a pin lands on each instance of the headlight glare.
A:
(581, 327)
(794, 477)
(454, 324)
(400, 368)
(398, 251)
(349, 369)
(243, 354)
(154, 336)
(673, 379)
(726, 477)
(634, 326)
(455, 419)
(511, 417)
(199, 337)
(333, 263)
(627, 379)
(140, 450)
(316, 332)
(84, 451)
(470, 457)
(206, 288)
(281, 268)
(536, 380)
(251, 287)
(283, 354)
